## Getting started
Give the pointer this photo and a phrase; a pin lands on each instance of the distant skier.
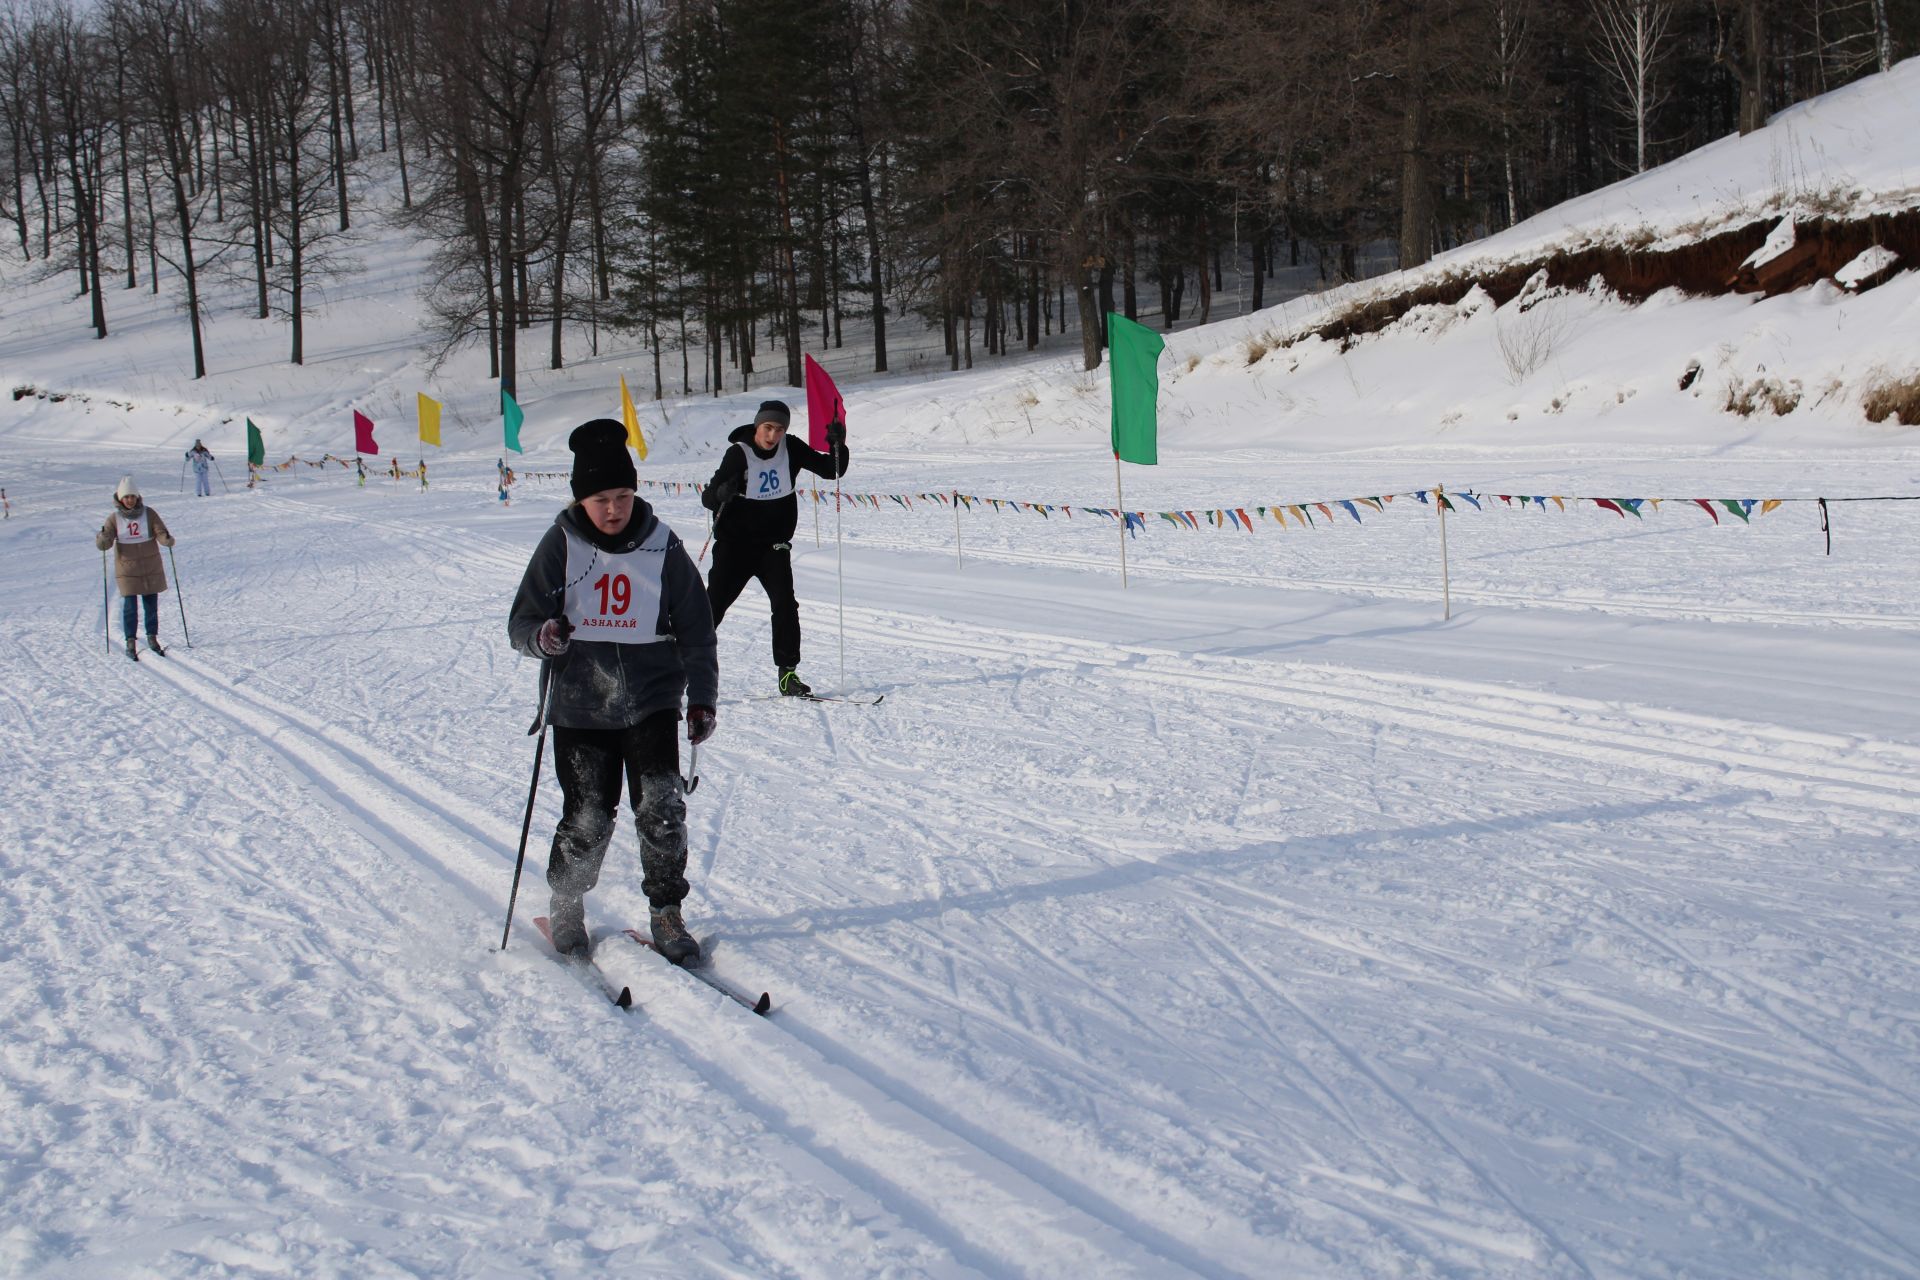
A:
(752, 496)
(613, 604)
(423, 475)
(202, 459)
(6, 508)
(136, 533)
(506, 481)
(360, 465)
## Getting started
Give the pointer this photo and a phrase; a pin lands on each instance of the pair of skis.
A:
(621, 991)
(858, 701)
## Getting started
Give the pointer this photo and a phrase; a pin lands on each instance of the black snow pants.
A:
(590, 763)
(737, 563)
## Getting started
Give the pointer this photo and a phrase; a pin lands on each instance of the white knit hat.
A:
(127, 489)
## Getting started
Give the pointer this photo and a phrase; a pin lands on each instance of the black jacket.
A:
(599, 685)
(762, 523)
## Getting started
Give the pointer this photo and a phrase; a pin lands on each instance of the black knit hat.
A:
(773, 411)
(600, 458)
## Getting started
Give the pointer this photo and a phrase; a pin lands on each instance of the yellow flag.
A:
(631, 417)
(429, 419)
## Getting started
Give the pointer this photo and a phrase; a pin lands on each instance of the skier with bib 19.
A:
(612, 603)
(136, 533)
(752, 496)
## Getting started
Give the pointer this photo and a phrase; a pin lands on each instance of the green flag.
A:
(511, 411)
(256, 445)
(1133, 355)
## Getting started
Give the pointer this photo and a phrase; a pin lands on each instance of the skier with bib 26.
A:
(613, 604)
(136, 533)
(752, 496)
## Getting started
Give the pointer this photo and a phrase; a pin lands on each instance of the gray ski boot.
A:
(670, 936)
(567, 922)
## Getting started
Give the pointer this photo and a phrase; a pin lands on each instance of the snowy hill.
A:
(1257, 919)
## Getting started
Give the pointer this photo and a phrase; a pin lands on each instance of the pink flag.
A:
(363, 434)
(824, 404)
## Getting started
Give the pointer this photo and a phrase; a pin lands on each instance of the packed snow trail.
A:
(1200, 930)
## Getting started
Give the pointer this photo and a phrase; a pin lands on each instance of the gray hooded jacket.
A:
(602, 685)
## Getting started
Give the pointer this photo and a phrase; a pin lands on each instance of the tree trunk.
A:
(296, 250)
(1416, 177)
(1093, 330)
(789, 280)
(262, 228)
(177, 170)
(509, 271)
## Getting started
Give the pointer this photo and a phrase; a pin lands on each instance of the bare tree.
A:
(1512, 51)
(1743, 44)
(168, 74)
(73, 64)
(484, 68)
(1631, 43)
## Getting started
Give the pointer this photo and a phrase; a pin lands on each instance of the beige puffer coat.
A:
(136, 565)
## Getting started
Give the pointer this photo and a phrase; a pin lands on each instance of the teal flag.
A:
(1133, 357)
(256, 445)
(511, 412)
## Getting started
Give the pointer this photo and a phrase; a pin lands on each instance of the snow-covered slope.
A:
(1253, 920)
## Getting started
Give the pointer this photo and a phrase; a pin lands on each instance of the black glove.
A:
(553, 637)
(719, 495)
(836, 434)
(699, 724)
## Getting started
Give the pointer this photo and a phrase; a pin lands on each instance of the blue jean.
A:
(130, 612)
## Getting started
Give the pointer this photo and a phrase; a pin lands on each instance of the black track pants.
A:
(590, 763)
(734, 565)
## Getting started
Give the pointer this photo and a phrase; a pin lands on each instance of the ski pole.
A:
(526, 823)
(692, 779)
(106, 602)
(179, 598)
(224, 486)
(183, 473)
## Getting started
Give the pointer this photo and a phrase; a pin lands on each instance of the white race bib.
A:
(131, 529)
(768, 478)
(615, 599)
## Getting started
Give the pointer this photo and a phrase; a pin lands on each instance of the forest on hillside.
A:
(744, 177)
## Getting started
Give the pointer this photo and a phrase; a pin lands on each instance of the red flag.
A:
(824, 404)
(363, 434)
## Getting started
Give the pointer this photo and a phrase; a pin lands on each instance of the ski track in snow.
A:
(1092, 955)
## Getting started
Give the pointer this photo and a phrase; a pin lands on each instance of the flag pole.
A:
(1446, 576)
(840, 571)
(1120, 500)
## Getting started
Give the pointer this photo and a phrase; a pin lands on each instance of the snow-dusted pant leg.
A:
(589, 776)
(202, 485)
(661, 815)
